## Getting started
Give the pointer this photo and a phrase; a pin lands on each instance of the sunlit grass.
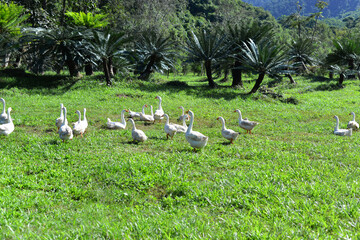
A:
(292, 178)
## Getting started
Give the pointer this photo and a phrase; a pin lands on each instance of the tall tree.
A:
(106, 46)
(154, 52)
(263, 59)
(240, 34)
(209, 48)
(11, 18)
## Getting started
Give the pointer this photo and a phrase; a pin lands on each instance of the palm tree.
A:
(207, 47)
(154, 53)
(106, 46)
(300, 53)
(11, 18)
(66, 45)
(88, 21)
(346, 52)
(239, 34)
(263, 59)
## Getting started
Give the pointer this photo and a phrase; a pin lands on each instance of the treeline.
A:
(140, 37)
(279, 8)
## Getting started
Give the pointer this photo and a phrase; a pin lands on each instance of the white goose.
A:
(65, 131)
(183, 115)
(341, 132)
(159, 113)
(137, 114)
(169, 129)
(80, 126)
(3, 115)
(245, 123)
(147, 118)
(228, 133)
(137, 134)
(7, 128)
(353, 124)
(85, 122)
(182, 128)
(59, 120)
(196, 139)
(117, 125)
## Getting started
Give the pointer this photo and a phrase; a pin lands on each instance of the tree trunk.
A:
(62, 19)
(148, 70)
(6, 60)
(257, 83)
(331, 75)
(44, 4)
(236, 75)
(292, 81)
(341, 78)
(89, 71)
(111, 68)
(212, 84)
(226, 74)
(106, 72)
(18, 58)
(351, 67)
(73, 68)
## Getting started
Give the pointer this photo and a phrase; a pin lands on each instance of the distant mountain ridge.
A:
(278, 8)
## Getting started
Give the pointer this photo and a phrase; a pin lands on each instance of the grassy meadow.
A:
(292, 178)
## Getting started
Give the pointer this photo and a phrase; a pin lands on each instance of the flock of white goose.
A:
(196, 139)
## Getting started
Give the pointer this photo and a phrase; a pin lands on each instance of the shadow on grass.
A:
(314, 78)
(32, 81)
(52, 142)
(158, 138)
(225, 92)
(329, 87)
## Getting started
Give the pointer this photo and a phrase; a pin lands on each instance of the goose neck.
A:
(223, 123)
(79, 115)
(337, 124)
(3, 102)
(183, 120)
(64, 117)
(122, 117)
(160, 103)
(191, 122)
(143, 109)
(61, 110)
(133, 124)
(353, 116)
(8, 115)
(240, 116)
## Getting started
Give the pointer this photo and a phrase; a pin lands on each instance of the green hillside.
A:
(286, 7)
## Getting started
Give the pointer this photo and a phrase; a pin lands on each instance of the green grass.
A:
(293, 178)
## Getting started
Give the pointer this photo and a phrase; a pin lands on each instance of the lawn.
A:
(292, 178)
